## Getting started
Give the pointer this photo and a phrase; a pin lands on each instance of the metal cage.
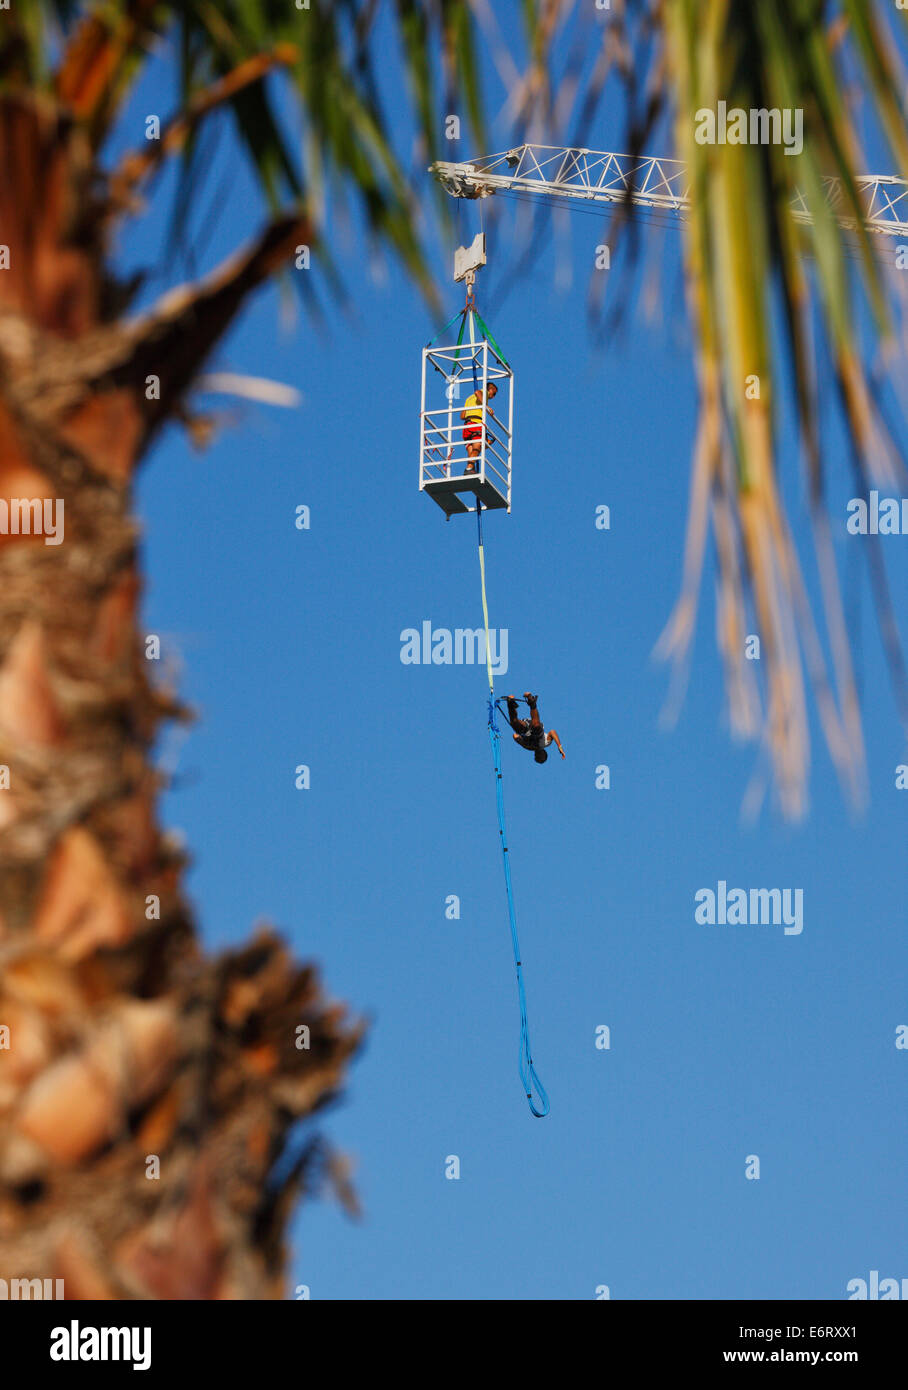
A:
(450, 375)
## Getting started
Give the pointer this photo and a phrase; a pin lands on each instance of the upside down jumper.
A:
(531, 733)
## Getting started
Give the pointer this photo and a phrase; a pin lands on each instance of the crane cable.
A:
(532, 1086)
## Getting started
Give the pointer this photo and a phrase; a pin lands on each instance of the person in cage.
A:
(530, 733)
(471, 415)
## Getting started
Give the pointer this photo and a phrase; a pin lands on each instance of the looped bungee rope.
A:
(533, 1087)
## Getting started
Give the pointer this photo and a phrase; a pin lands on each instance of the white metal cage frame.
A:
(451, 373)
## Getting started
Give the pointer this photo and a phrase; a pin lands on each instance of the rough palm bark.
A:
(124, 1040)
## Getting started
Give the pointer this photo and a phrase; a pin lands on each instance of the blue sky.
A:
(725, 1041)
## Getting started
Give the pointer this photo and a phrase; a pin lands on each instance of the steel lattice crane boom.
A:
(594, 176)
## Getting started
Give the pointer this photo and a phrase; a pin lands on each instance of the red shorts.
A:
(473, 431)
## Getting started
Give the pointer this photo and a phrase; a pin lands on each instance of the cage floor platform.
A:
(444, 491)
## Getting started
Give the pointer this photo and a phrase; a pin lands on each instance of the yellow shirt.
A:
(473, 407)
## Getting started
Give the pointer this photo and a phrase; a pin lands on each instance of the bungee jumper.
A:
(474, 473)
(531, 733)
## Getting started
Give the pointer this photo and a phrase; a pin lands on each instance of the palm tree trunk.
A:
(147, 1091)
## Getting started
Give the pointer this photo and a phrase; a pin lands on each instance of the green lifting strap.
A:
(458, 315)
(484, 330)
(463, 321)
